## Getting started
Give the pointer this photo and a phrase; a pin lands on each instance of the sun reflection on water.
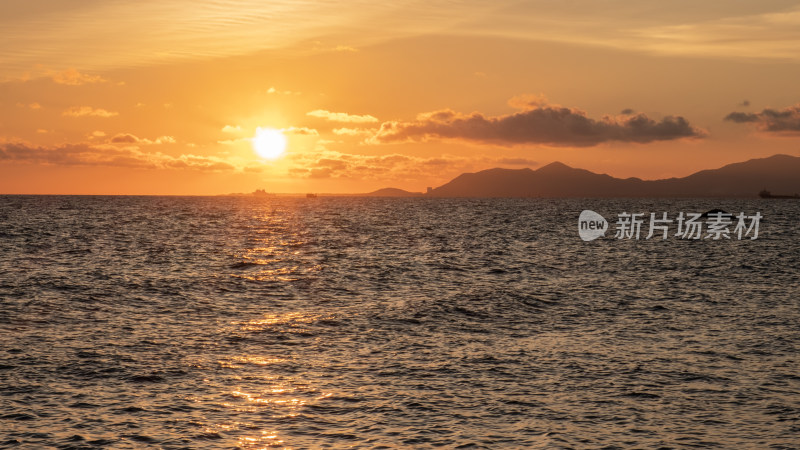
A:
(267, 439)
(289, 322)
(273, 251)
(236, 362)
(265, 383)
(259, 400)
(257, 384)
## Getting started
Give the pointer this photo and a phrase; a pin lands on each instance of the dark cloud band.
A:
(542, 124)
(771, 120)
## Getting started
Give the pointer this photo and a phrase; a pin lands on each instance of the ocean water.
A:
(172, 322)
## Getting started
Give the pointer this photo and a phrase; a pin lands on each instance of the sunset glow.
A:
(371, 95)
(409, 224)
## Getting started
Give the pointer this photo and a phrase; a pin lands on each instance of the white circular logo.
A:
(591, 225)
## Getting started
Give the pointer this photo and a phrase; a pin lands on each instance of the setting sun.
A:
(269, 143)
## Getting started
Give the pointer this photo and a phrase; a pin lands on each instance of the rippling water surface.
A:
(129, 322)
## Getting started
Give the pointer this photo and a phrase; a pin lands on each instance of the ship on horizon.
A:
(767, 194)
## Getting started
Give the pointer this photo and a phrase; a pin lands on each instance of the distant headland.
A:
(777, 176)
(777, 173)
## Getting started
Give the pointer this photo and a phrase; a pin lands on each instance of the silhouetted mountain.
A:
(393, 192)
(780, 174)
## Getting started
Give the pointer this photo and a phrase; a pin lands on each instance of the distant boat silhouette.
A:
(261, 193)
(311, 195)
(766, 194)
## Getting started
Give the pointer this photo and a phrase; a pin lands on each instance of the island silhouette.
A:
(777, 173)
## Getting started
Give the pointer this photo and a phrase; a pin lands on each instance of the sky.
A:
(171, 96)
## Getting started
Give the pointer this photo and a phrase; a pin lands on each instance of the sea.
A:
(345, 322)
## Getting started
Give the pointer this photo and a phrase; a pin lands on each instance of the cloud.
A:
(233, 141)
(105, 155)
(124, 139)
(303, 131)
(127, 138)
(195, 162)
(67, 36)
(165, 140)
(353, 131)
(333, 164)
(786, 120)
(771, 34)
(83, 111)
(528, 101)
(72, 77)
(341, 117)
(539, 123)
(74, 154)
(231, 129)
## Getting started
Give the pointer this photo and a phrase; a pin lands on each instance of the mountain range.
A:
(779, 174)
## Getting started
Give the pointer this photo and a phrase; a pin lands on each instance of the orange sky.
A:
(164, 97)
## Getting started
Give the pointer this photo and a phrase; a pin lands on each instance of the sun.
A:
(269, 143)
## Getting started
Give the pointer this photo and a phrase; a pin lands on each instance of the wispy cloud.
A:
(354, 131)
(233, 141)
(730, 30)
(72, 77)
(301, 131)
(67, 36)
(127, 138)
(786, 120)
(83, 111)
(341, 117)
(765, 35)
(540, 123)
(332, 164)
(231, 129)
(108, 155)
